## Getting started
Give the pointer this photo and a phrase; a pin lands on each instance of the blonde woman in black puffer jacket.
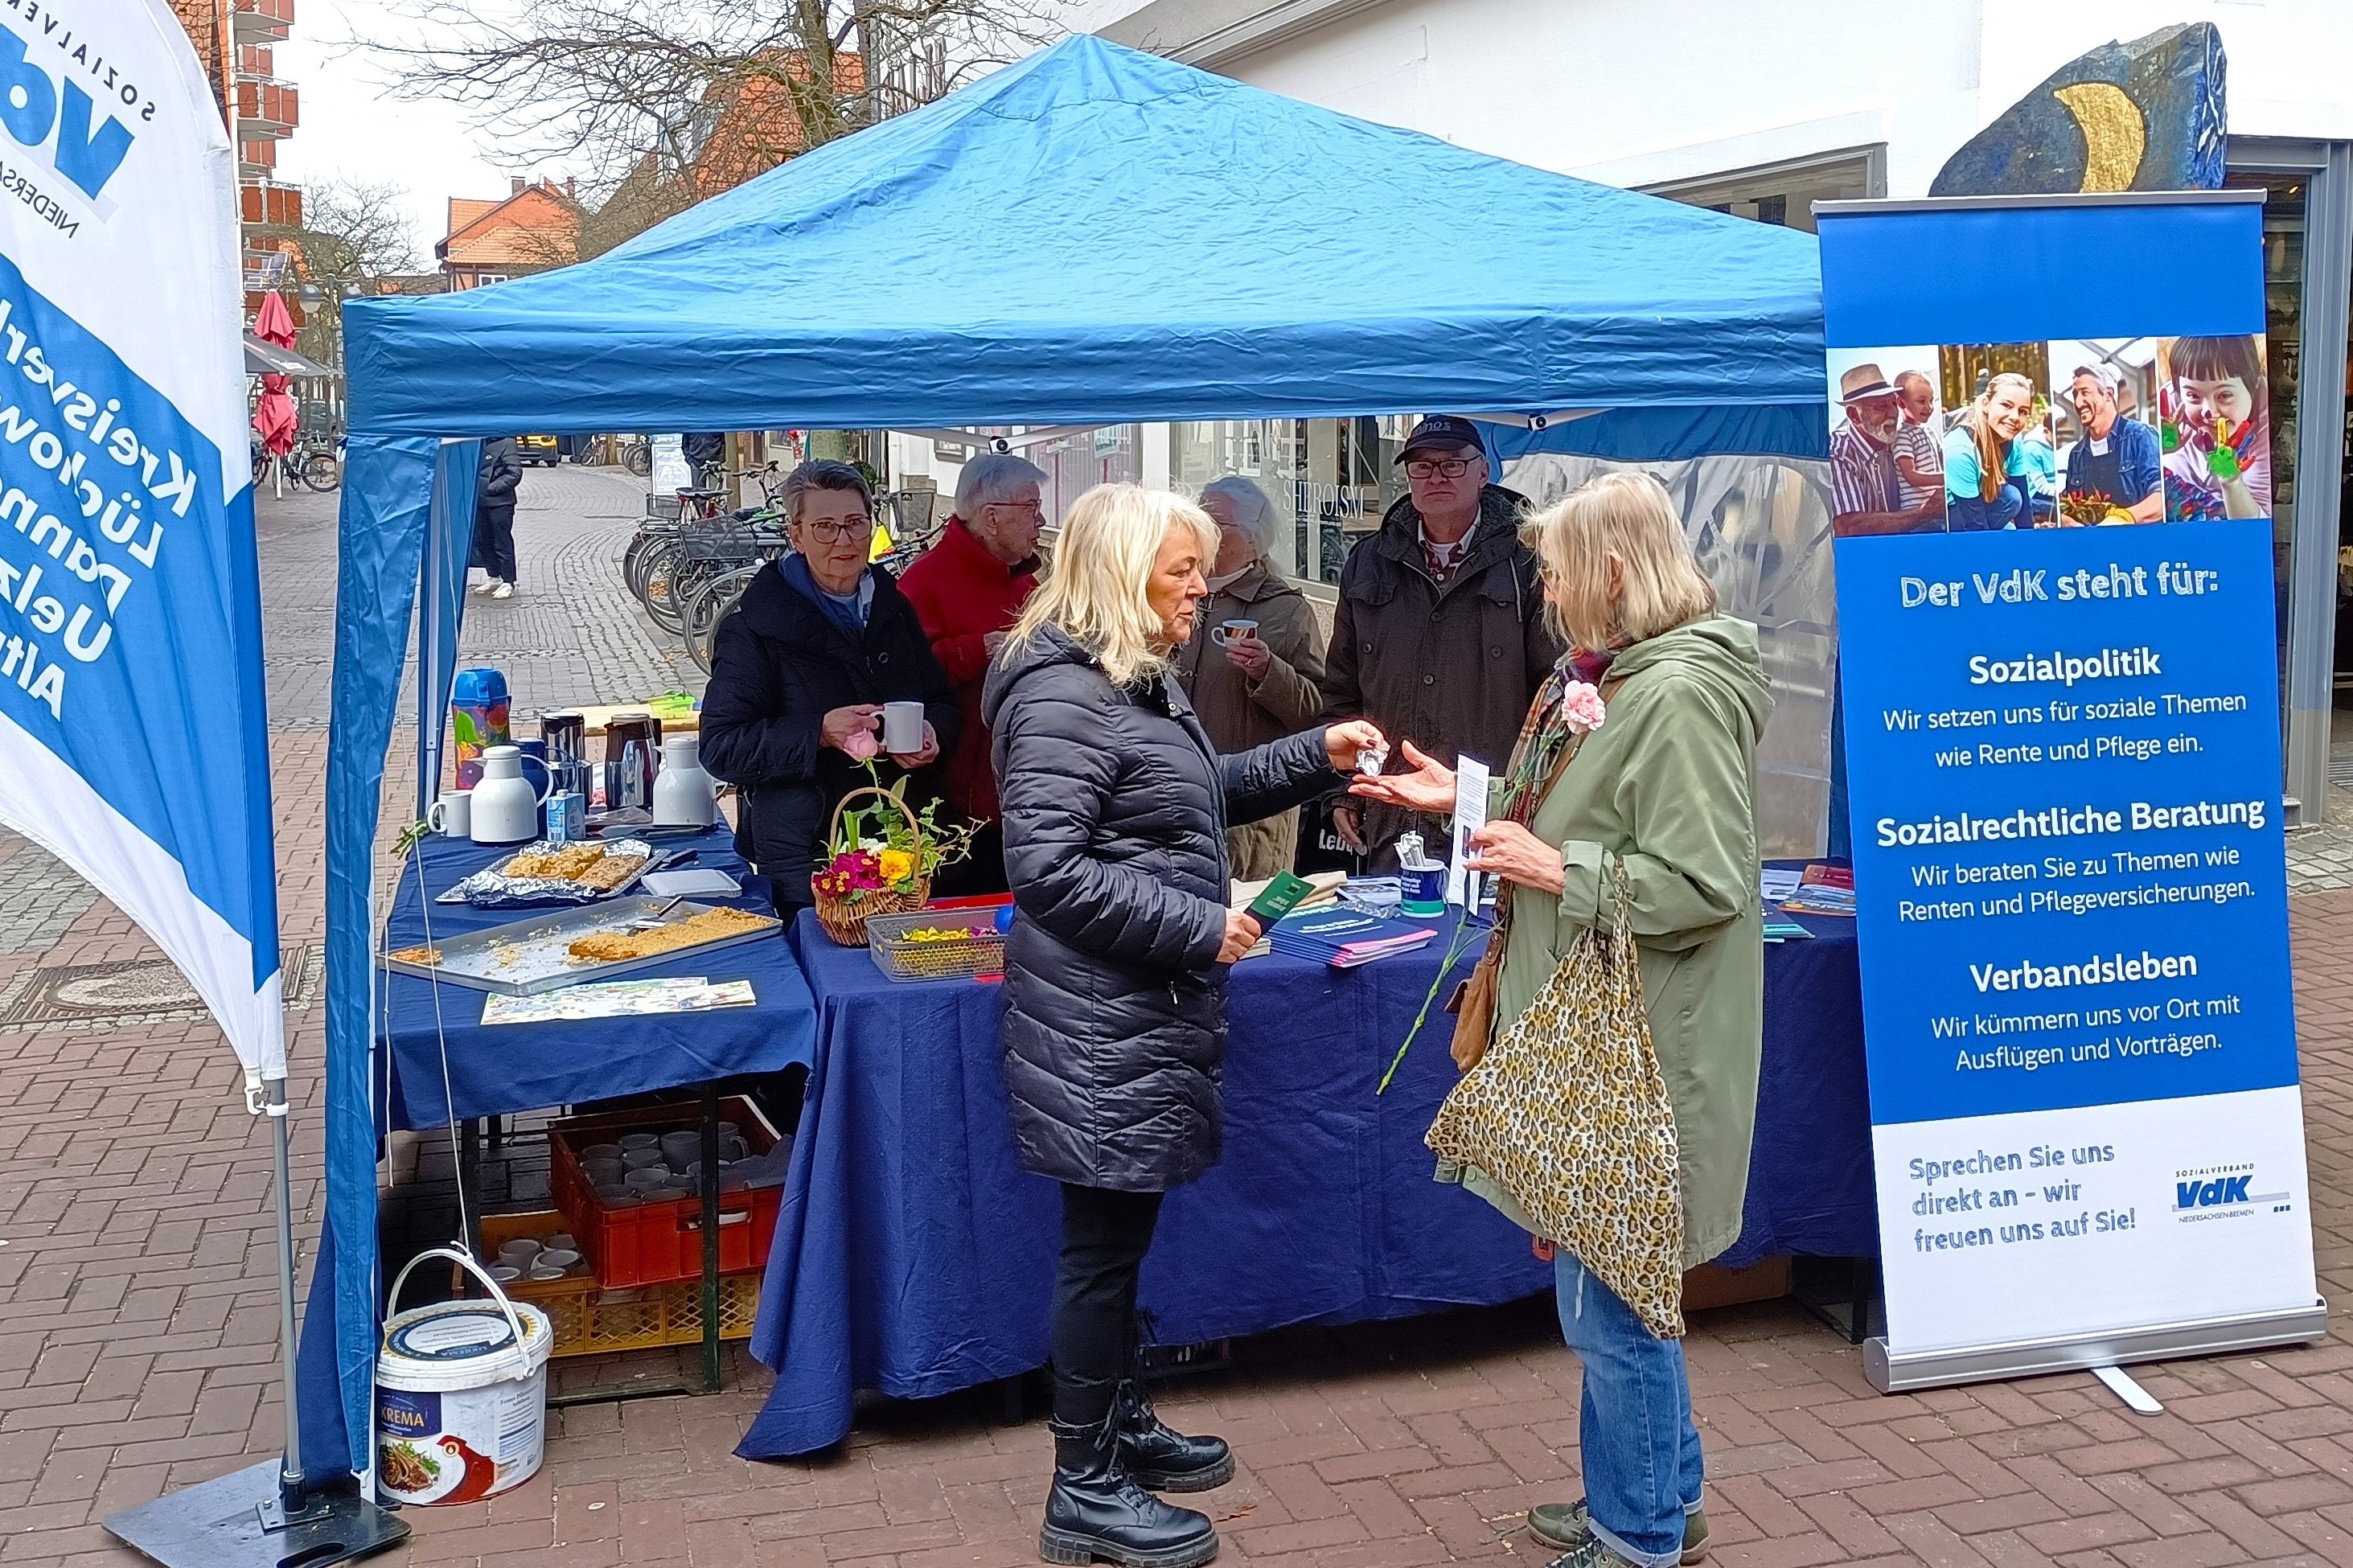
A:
(1116, 807)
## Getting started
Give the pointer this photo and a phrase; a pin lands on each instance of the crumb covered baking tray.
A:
(524, 958)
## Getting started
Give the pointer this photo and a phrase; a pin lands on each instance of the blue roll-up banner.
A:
(2059, 664)
(133, 744)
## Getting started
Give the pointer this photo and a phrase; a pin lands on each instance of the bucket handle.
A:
(466, 1261)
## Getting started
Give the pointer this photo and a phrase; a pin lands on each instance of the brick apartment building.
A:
(236, 41)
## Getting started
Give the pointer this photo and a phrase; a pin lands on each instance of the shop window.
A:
(1785, 193)
(2283, 215)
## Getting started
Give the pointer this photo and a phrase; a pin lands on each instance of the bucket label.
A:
(475, 1429)
(401, 1414)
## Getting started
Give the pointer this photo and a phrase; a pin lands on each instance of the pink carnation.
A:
(1581, 708)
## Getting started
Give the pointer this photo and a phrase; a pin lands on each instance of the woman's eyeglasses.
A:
(827, 531)
(1442, 468)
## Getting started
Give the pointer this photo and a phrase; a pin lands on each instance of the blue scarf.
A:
(847, 612)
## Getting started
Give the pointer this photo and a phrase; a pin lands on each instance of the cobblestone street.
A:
(138, 1321)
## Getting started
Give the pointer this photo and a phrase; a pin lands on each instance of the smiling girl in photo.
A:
(2216, 406)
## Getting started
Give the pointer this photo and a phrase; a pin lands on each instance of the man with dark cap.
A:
(1440, 634)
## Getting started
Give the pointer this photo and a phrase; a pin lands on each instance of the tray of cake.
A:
(603, 942)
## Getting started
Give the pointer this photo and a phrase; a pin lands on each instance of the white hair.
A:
(1253, 512)
(1097, 591)
(991, 477)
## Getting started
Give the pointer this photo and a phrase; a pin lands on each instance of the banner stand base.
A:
(238, 1521)
(1899, 1372)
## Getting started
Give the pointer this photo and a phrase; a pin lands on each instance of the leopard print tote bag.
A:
(1568, 1112)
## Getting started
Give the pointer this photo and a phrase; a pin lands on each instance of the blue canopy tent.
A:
(1092, 236)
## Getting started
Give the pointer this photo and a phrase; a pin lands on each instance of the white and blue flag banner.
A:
(133, 743)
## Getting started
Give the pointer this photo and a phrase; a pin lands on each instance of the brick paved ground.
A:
(137, 1315)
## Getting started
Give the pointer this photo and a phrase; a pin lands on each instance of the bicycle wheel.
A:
(715, 602)
(667, 591)
(638, 458)
(321, 471)
(633, 563)
(654, 574)
(715, 610)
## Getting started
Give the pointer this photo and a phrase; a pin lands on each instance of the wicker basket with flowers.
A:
(881, 857)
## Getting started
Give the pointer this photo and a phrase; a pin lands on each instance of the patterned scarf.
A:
(1545, 734)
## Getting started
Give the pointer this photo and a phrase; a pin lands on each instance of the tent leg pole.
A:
(289, 1469)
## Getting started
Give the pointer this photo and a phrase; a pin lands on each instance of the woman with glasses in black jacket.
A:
(799, 674)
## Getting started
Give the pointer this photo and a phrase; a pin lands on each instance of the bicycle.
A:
(320, 465)
(914, 525)
(311, 466)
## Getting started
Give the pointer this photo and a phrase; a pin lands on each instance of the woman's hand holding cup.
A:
(850, 730)
(1245, 649)
(927, 753)
(1429, 788)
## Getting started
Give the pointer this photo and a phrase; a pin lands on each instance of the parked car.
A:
(540, 449)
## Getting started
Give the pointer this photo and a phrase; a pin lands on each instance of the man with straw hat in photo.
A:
(1866, 489)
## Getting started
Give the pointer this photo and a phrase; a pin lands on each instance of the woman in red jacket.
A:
(966, 591)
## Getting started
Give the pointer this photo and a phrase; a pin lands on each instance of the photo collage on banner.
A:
(2088, 433)
(2063, 741)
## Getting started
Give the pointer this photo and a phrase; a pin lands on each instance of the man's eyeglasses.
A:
(1036, 508)
(826, 531)
(1439, 467)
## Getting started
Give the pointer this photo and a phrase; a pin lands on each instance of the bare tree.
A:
(660, 103)
(353, 234)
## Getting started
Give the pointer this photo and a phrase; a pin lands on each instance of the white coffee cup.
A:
(1228, 632)
(903, 728)
(452, 816)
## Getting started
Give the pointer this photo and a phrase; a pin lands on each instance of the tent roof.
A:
(1095, 235)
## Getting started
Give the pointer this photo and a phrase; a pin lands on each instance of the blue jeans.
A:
(2009, 509)
(1639, 1446)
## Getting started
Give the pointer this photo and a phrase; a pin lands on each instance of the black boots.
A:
(1160, 1459)
(1096, 1511)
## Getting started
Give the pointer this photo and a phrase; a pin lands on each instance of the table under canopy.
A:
(501, 1068)
(913, 1256)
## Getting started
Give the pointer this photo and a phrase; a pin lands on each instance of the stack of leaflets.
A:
(1345, 938)
(1823, 890)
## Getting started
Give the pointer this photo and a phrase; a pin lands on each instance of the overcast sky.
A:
(351, 130)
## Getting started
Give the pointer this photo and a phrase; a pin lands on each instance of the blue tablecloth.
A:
(912, 1256)
(524, 1067)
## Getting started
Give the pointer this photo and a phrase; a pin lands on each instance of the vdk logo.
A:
(33, 104)
(2208, 1194)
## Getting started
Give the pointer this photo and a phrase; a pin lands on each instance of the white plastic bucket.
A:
(461, 1394)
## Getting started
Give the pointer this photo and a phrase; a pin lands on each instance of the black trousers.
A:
(1105, 1237)
(493, 549)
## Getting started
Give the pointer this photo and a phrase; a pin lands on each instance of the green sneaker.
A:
(1593, 1553)
(1562, 1525)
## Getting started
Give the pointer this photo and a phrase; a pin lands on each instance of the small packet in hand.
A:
(1370, 759)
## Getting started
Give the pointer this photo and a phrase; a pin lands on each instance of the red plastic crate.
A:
(653, 1244)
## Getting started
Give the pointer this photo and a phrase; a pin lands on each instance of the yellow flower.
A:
(896, 865)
